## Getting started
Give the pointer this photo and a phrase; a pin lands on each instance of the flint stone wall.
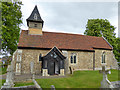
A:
(28, 56)
(84, 60)
(110, 60)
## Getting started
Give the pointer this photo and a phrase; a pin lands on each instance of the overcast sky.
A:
(70, 17)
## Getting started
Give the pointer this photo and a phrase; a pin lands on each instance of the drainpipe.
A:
(93, 60)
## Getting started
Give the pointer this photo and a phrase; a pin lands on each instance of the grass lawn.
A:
(17, 84)
(3, 70)
(2, 82)
(26, 83)
(80, 79)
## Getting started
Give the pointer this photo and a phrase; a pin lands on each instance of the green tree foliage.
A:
(0, 27)
(11, 20)
(118, 49)
(94, 27)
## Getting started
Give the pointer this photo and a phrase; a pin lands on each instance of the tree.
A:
(117, 53)
(99, 27)
(0, 28)
(11, 20)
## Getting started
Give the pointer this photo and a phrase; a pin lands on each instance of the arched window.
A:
(40, 57)
(73, 58)
(103, 57)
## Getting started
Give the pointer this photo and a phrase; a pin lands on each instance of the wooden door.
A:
(51, 69)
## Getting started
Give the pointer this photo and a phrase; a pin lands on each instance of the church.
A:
(53, 53)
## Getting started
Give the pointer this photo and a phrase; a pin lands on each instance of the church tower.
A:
(35, 22)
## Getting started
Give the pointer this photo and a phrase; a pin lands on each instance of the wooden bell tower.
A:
(35, 22)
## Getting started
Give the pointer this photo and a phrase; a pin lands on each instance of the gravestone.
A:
(9, 79)
(105, 82)
(32, 67)
(52, 87)
(116, 84)
(32, 70)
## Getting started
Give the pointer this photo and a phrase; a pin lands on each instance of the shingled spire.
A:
(35, 22)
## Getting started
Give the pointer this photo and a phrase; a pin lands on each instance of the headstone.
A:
(52, 87)
(105, 82)
(116, 84)
(32, 67)
(33, 76)
(9, 79)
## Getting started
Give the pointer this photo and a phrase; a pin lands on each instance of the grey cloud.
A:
(74, 16)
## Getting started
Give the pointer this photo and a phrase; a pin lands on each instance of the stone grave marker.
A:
(32, 67)
(9, 78)
(52, 87)
(105, 82)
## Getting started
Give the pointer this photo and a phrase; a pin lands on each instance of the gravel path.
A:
(30, 76)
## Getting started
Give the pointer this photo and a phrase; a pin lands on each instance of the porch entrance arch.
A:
(53, 61)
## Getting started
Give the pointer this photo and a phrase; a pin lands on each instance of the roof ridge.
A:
(66, 33)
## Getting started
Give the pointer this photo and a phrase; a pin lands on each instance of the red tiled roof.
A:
(62, 41)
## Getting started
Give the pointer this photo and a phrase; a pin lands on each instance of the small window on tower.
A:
(35, 16)
(35, 25)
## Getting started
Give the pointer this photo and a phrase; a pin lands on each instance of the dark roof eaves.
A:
(23, 47)
(102, 48)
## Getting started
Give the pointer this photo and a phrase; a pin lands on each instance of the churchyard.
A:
(42, 59)
(79, 79)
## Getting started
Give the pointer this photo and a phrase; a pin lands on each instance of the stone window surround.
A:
(18, 67)
(103, 56)
(18, 62)
(74, 54)
(38, 57)
(19, 55)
